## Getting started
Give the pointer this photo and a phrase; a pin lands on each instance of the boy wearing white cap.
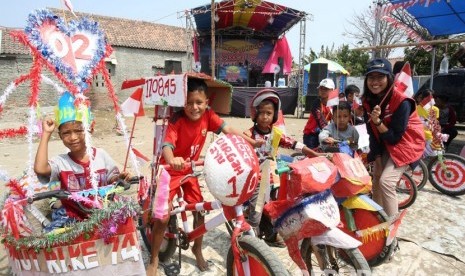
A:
(320, 114)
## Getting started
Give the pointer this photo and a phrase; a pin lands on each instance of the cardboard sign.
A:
(92, 256)
(170, 90)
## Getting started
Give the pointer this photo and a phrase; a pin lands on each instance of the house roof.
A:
(120, 32)
(8, 46)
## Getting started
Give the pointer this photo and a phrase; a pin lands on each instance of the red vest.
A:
(412, 144)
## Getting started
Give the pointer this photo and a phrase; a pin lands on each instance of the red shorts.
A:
(190, 188)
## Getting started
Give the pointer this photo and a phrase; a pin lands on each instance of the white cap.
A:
(328, 83)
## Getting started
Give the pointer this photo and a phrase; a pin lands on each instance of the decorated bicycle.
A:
(104, 239)
(230, 170)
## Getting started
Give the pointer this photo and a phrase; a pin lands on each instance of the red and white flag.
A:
(427, 102)
(142, 159)
(333, 98)
(133, 105)
(403, 81)
(69, 6)
(356, 103)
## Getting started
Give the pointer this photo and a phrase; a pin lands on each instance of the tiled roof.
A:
(122, 32)
(8, 45)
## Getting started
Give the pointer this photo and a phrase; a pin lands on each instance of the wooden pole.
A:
(213, 38)
(431, 42)
(130, 141)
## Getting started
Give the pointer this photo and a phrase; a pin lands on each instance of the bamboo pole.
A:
(431, 42)
(213, 65)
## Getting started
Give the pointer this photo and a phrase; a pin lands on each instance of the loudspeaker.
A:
(309, 102)
(318, 72)
(173, 66)
(205, 65)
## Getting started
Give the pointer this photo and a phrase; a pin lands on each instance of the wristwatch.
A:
(379, 123)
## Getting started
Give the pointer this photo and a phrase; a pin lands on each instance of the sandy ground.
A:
(432, 235)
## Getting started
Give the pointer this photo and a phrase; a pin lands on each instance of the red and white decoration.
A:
(427, 102)
(333, 98)
(403, 81)
(231, 169)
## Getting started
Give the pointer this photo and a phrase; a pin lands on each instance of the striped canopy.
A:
(252, 18)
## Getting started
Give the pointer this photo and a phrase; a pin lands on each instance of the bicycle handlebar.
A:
(63, 194)
(187, 165)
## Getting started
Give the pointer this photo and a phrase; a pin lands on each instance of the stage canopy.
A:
(240, 17)
(439, 17)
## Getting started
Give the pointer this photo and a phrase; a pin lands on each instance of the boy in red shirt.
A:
(320, 114)
(185, 137)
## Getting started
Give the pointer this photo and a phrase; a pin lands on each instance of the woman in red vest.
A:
(396, 132)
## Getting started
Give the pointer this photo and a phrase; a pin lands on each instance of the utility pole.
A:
(213, 38)
(376, 31)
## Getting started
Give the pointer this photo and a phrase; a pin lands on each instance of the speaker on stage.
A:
(205, 65)
(309, 102)
(318, 72)
(173, 66)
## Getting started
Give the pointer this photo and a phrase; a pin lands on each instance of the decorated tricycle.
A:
(105, 240)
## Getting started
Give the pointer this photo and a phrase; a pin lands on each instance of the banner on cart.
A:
(166, 90)
(121, 254)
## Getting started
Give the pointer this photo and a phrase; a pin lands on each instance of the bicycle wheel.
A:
(375, 249)
(261, 260)
(168, 246)
(448, 176)
(419, 174)
(406, 191)
(333, 261)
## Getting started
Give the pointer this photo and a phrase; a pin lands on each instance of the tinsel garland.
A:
(12, 132)
(123, 210)
(301, 205)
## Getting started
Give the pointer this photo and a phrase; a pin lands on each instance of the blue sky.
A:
(329, 16)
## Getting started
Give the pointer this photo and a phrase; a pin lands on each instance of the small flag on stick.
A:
(133, 105)
(333, 98)
(403, 81)
(427, 102)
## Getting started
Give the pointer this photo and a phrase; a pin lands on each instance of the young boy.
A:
(320, 114)
(264, 113)
(185, 137)
(340, 129)
(72, 169)
(352, 91)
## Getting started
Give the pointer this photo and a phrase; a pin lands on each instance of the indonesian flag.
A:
(142, 159)
(427, 102)
(333, 98)
(133, 105)
(356, 103)
(69, 6)
(403, 81)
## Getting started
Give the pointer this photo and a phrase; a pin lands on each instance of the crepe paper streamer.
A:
(264, 190)
(13, 218)
(12, 132)
(373, 233)
(160, 204)
(276, 135)
(93, 203)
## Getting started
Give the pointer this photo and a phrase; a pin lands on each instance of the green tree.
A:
(420, 59)
(353, 61)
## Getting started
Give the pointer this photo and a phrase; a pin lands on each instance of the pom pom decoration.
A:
(231, 169)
